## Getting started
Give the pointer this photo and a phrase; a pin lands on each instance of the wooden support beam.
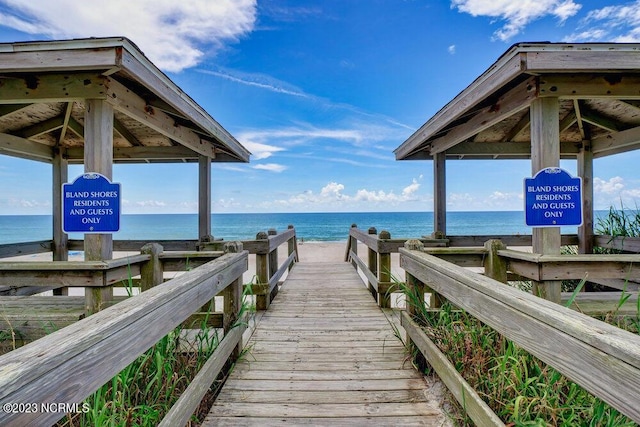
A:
(586, 86)
(204, 199)
(141, 154)
(40, 128)
(65, 121)
(98, 157)
(585, 171)
(125, 133)
(508, 149)
(60, 176)
(507, 105)
(545, 152)
(599, 120)
(7, 109)
(523, 124)
(439, 194)
(615, 143)
(51, 88)
(16, 146)
(127, 102)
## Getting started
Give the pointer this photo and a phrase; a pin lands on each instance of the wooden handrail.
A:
(603, 359)
(67, 365)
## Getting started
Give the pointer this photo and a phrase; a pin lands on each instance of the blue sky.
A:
(321, 92)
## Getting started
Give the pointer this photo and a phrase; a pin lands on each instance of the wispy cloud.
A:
(619, 23)
(258, 80)
(174, 35)
(517, 14)
(271, 167)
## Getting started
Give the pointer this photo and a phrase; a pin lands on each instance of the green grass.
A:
(519, 388)
(143, 392)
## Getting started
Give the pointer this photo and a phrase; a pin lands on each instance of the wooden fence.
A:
(70, 364)
(28, 317)
(603, 359)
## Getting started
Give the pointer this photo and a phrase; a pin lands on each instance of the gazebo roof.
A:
(598, 86)
(43, 87)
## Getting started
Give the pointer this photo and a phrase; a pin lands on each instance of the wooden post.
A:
(494, 265)
(292, 246)
(98, 157)
(545, 152)
(373, 264)
(439, 194)
(415, 303)
(585, 171)
(60, 238)
(151, 273)
(384, 274)
(273, 264)
(204, 199)
(232, 300)
(262, 275)
(353, 245)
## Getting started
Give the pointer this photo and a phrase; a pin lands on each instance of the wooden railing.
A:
(30, 318)
(69, 364)
(268, 271)
(377, 268)
(603, 359)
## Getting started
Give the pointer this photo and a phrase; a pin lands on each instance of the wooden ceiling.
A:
(44, 85)
(598, 90)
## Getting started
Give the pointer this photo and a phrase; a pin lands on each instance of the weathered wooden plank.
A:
(120, 333)
(473, 405)
(323, 340)
(322, 397)
(378, 421)
(327, 410)
(603, 359)
(189, 400)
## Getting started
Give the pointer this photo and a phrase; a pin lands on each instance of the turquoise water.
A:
(309, 226)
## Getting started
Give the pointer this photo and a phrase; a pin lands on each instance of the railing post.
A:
(273, 265)
(292, 246)
(151, 273)
(373, 263)
(384, 274)
(415, 303)
(494, 265)
(262, 275)
(353, 246)
(232, 295)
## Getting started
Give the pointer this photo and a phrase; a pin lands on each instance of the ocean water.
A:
(309, 226)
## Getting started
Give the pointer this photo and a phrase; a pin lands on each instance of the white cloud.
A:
(517, 14)
(452, 49)
(612, 186)
(151, 203)
(619, 23)
(174, 35)
(271, 167)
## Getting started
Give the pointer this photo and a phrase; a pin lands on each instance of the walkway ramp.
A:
(324, 354)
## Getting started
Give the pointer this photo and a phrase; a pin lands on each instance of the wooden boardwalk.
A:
(324, 354)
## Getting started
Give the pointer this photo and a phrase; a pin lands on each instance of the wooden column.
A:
(60, 238)
(262, 275)
(372, 263)
(439, 195)
(585, 171)
(204, 199)
(545, 152)
(98, 157)
(384, 273)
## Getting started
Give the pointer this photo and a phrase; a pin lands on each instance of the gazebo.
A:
(97, 102)
(544, 102)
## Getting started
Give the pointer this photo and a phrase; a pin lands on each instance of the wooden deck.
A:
(324, 354)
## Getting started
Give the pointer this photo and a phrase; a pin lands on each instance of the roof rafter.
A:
(127, 102)
(515, 100)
